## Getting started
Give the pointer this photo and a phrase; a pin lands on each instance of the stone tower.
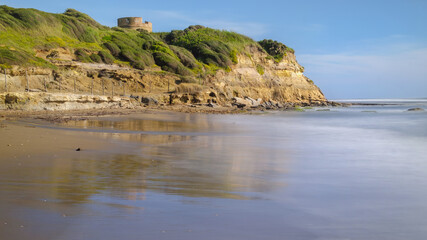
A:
(134, 23)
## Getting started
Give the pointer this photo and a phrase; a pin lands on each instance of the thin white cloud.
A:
(400, 74)
(405, 63)
(387, 45)
(251, 29)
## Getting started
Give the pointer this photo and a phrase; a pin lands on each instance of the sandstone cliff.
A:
(257, 76)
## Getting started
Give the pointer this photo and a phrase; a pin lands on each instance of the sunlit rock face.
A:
(258, 76)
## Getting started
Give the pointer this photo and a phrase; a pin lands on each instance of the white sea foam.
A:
(382, 100)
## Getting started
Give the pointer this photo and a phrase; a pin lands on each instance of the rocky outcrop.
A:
(416, 110)
(246, 102)
(258, 76)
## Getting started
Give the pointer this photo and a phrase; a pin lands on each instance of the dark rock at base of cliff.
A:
(149, 101)
(11, 99)
(416, 110)
(212, 105)
(246, 102)
(240, 102)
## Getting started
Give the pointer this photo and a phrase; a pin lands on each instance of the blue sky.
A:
(350, 49)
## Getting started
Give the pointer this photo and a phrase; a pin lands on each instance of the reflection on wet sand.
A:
(163, 129)
(196, 159)
(152, 123)
(171, 169)
(219, 165)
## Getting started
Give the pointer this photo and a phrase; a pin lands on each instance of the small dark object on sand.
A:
(78, 150)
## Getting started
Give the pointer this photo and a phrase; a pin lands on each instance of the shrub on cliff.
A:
(113, 48)
(169, 63)
(185, 56)
(11, 57)
(82, 56)
(82, 17)
(21, 18)
(95, 58)
(128, 46)
(106, 57)
(274, 48)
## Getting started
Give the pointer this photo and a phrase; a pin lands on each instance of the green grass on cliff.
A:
(192, 52)
(210, 46)
(275, 49)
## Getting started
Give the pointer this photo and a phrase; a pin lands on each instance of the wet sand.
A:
(26, 151)
(46, 185)
(60, 116)
(164, 175)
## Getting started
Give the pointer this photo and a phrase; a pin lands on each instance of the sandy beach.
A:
(169, 175)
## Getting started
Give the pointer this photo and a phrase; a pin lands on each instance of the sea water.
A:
(357, 172)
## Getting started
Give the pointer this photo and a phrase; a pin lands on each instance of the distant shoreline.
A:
(125, 106)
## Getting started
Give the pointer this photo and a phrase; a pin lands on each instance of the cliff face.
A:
(258, 76)
(197, 65)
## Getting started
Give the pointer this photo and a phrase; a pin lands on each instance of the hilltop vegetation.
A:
(275, 49)
(192, 52)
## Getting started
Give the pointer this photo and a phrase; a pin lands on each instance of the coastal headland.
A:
(68, 61)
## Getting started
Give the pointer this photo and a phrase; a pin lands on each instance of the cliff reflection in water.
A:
(196, 165)
(152, 123)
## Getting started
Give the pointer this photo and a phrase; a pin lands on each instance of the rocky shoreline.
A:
(57, 107)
